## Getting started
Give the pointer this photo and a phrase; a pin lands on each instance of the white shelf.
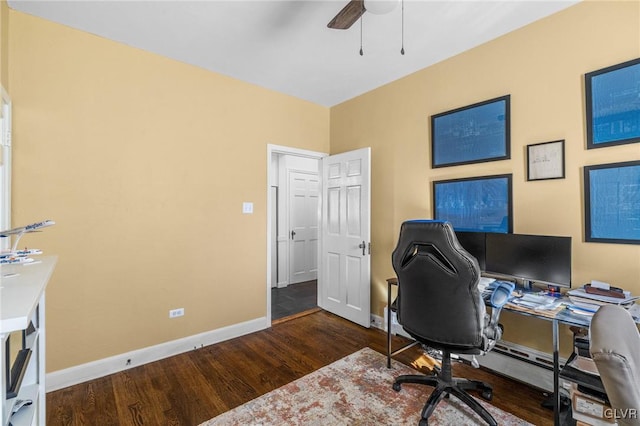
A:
(21, 286)
(22, 302)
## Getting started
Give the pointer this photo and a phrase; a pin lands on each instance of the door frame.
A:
(282, 150)
(5, 165)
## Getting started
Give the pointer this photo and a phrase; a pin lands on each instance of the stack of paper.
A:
(588, 303)
(536, 301)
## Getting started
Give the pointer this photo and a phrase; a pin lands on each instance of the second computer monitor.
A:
(537, 258)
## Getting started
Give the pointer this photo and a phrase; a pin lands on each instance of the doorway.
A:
(292, 230)
(344, 246)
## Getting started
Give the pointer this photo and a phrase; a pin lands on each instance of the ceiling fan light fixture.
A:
(380, 7)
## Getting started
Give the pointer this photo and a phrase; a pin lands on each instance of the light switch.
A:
(247, 208)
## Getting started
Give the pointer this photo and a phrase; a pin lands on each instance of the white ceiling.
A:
(286, 45)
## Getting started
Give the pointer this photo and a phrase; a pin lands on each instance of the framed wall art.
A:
(612, 106)
(482, 204)
(545, 160)
(472, 134)
(612, 203)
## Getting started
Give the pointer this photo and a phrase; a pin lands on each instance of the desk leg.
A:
(388, 325)
(556, 374)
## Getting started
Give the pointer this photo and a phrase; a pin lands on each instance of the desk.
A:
(391, 282)
(563, 316)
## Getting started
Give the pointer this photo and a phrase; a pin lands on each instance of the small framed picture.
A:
(612, 107)
(545, 160)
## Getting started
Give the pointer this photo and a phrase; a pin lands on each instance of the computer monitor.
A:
(473, 242)
(534, 258)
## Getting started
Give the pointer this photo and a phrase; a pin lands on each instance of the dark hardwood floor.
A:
(293, 299)
(189, 388)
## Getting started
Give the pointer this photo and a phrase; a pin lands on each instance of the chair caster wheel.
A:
(423, 422)
(397, 387)
(487, 395)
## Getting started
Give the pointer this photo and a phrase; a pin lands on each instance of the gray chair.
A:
(440, 306)
(615, 348)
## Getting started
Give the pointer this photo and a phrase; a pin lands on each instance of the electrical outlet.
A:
(175, 313)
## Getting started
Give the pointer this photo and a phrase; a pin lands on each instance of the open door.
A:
(344, 276)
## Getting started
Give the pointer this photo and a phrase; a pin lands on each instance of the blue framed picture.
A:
(472, 134)
(480, 204)
(613, 105)
(612, 203)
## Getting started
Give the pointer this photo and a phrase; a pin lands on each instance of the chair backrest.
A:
(438, 298)
(615, 348)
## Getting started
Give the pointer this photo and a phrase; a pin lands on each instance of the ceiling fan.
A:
(356, 8)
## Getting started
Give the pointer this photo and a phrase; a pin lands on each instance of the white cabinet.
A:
(22, 335)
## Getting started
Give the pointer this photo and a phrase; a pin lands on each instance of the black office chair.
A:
(440, 306)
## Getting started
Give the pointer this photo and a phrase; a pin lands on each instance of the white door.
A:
(304, 193)
(344, 285)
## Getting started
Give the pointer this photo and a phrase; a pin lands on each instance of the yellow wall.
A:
(542, 66)
(4, 44)
(144, 164)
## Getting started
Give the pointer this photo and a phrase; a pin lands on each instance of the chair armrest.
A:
(501, 293)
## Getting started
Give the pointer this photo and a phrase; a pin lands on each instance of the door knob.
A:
(363, 246)
(293, 234)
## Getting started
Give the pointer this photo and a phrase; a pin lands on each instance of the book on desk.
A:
(588, 303)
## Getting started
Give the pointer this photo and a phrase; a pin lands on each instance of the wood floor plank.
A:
(62, 405)
(135, 402)
(99, 403)
(204, 401)
(190, 388)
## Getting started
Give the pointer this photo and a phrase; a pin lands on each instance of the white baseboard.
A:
(103, 367)
(376, 322)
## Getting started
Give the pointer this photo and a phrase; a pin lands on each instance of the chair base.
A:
(444, 388)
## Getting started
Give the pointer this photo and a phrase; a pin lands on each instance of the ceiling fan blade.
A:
(348, 15)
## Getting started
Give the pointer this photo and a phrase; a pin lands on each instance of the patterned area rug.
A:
(355, 390)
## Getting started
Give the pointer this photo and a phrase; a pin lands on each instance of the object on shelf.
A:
(14, 255)
(614, 292)
(21, 403)
(581, 295)
(20, 231)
